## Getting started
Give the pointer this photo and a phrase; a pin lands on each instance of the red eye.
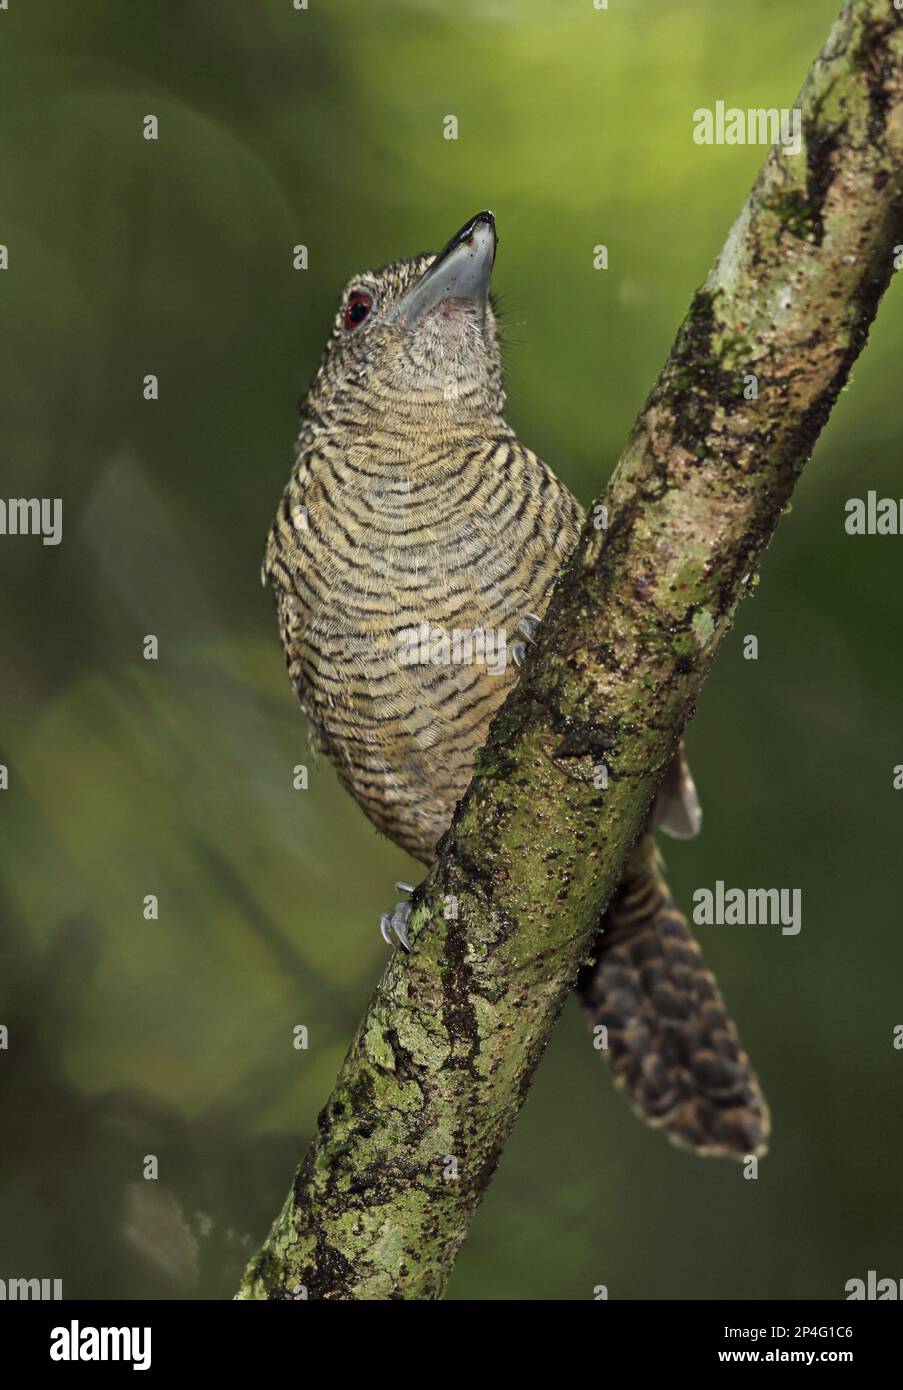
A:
(358, 307)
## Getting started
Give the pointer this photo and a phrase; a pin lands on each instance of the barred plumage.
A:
(672, 1046)
(412, 502)
(370, 559)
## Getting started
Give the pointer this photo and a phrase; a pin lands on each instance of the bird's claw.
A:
(396, 921)
(527, 625)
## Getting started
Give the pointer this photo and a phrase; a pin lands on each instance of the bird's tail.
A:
(671, 1044)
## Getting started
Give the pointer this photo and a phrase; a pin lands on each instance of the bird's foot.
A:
(396, 921)
(527, 625)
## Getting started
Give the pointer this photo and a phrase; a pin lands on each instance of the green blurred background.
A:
(128, 777)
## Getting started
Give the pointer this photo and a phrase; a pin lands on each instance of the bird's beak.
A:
(460, 271)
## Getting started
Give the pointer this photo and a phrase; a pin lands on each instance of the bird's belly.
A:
(404, 705)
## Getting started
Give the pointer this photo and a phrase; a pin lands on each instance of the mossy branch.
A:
(440, 1065)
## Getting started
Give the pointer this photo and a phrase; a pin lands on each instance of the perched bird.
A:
(411, 557)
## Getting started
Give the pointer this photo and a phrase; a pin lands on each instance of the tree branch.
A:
(445, 1054)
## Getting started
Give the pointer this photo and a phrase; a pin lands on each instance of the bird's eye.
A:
(356, 310)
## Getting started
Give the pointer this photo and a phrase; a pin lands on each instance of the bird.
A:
(411, 558)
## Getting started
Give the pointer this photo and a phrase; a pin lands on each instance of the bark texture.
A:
(436, 1074)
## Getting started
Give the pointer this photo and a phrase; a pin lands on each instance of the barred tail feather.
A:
(672, 1046)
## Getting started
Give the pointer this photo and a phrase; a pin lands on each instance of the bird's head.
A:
(417, 340)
